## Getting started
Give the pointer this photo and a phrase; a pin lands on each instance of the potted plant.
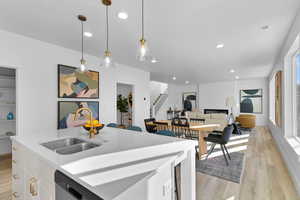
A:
(122, 106)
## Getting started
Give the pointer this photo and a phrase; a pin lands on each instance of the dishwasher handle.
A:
(73, 188)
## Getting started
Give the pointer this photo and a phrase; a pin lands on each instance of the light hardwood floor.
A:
(265, 175)
(5, 177)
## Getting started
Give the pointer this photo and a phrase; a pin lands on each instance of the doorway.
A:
(7, 126)
(125, 106)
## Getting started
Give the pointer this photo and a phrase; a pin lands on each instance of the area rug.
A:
(216, 166)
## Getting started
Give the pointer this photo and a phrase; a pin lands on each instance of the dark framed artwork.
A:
(251, 101)
(67, 109)
(73, 84)
(189, 101)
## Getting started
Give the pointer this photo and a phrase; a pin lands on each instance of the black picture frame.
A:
(59, 66)
(243, 107)
(184, 94)
(59, 110)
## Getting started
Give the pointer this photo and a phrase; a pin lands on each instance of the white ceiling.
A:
(182, 34)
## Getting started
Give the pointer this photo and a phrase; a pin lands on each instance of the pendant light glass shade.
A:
(143, 49)
(82, 68)
(107, 60)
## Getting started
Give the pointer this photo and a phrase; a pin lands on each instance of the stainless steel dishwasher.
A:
(68, 189)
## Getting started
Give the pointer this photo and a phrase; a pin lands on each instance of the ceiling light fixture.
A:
(143, 50)
(187, 82)
(220, 46)
(122, 15)
(232, 71)
(174, 78)
(154, 60)
(88, 34)
(82, 67)
(237, 77)
(107, 59)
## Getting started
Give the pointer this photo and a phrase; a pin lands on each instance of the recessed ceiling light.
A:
(220, 46)
(187, 82)
(122, 15)
(266, 27)
(154, 60)
(174, 78)
(232, 71)
(88, 34)
(237, 77)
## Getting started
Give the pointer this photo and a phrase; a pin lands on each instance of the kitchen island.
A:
(126, 165)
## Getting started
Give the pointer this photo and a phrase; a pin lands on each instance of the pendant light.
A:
(107, 59)
(143, 50)
(82, 67)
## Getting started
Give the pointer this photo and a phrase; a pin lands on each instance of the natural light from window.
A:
(297, 74)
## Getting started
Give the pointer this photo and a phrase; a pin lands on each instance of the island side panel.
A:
(188, 176)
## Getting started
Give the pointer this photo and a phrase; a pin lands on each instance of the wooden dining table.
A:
(202, 129)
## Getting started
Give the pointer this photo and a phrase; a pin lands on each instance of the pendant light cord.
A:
(142, 19)
(81, 40)
(107, 29)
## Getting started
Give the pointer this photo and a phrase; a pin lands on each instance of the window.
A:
(272, 100)
(275, 91)
(291, 90)
(296, 93)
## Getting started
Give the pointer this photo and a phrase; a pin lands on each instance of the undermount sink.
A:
(69, 145)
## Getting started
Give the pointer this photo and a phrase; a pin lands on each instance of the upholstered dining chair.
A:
(180, 126)
(135, 128)
(160, 126)
(150, 126)
(112, 125)
(222, 140)
(166, 133)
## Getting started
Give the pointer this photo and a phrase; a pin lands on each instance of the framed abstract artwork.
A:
(67, 109)
(189, 101)
(251, 101)
(73, 84)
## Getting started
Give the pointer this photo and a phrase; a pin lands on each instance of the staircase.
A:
(157, 104)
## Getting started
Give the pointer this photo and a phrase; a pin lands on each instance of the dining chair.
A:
(216, 138)
(150, 126)
(197, 120)
(135, 128)
(112, 125)
(166, 133)
(160, 126)
(180, 126)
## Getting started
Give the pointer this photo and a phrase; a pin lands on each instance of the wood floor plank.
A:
(265, 175)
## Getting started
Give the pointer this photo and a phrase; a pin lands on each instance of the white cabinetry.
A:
(32, 177)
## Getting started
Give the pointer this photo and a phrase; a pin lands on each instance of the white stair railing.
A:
(158, 103)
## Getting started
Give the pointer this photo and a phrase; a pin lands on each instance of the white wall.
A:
(37, 82)
(290, 156)
(213, 95)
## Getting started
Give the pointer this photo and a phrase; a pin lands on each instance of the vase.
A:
(10, 116)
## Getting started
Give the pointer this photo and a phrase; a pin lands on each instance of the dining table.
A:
(202, 130)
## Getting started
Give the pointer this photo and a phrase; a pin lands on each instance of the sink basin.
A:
(76, 148)
(69, 145)
(57, 144)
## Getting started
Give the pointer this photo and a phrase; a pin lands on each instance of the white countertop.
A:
(123, 158)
